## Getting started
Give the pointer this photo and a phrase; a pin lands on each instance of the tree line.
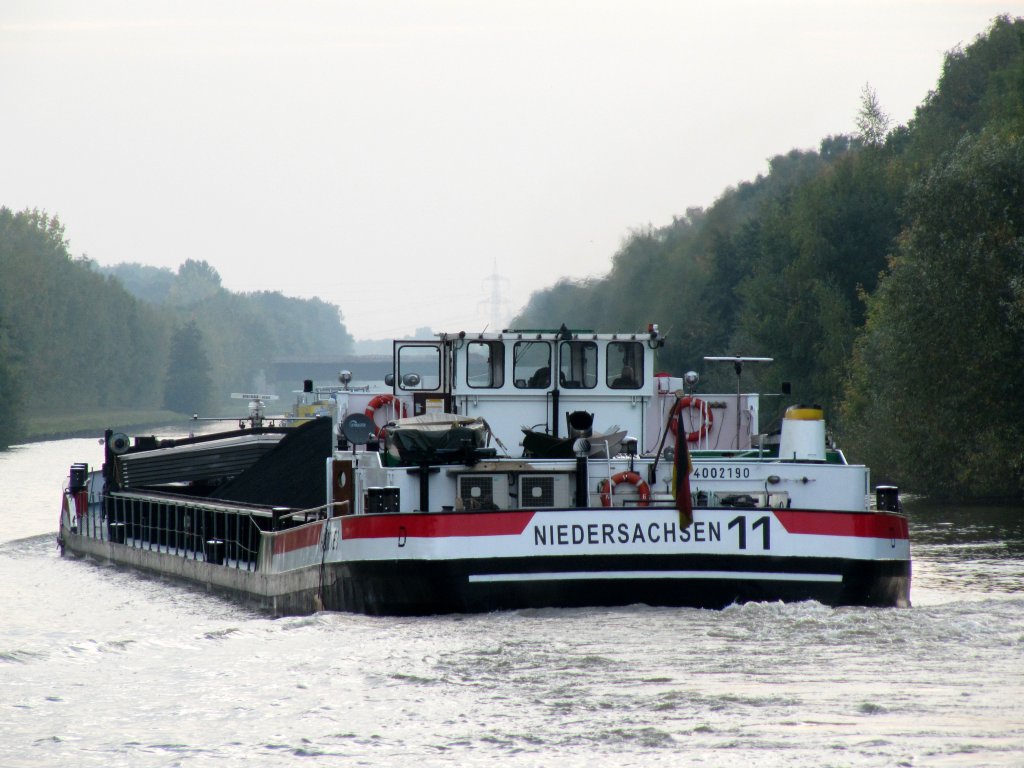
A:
(75, 336)
(884, 272)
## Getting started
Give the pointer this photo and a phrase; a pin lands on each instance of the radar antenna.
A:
(257, 407)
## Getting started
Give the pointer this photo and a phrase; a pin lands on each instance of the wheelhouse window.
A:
(485, 364)
(577, 365)
(531, 366)
(419, 368)
(625, 369)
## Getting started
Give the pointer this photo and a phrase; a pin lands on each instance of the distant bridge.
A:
(288, 373)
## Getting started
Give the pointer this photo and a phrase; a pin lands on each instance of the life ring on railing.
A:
(642, 489)
(707, 417)
(377, 402)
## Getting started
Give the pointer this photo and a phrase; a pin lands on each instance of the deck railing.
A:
(222, 533)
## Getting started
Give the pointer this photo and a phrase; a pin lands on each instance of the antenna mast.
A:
(498, 304)
(737, 364)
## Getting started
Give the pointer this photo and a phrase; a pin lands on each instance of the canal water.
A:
(101, 666)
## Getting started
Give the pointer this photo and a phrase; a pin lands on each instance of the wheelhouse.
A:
(534, 380)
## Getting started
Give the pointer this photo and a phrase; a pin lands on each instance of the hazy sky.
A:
(391, 157)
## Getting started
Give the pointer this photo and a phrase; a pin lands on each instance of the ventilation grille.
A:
(481, 492)
(544, 491)
(538, 492)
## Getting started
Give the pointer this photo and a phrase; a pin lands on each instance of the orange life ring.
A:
(642, 489)
(377, 402)
(707, 417)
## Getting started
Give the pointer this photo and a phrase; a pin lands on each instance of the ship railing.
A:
(89, 521)
(285, 515)
(237, 536)
(300, 519)
(199, 529)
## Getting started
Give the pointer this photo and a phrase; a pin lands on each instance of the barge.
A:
(503, 470)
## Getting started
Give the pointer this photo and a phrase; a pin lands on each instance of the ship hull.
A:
(418, 564)
(471, 562)
(474, 586)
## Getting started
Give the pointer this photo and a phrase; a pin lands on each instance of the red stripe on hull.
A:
(81, 503)
(435, 526)
(868, 525)
(860, 525)
(300, 538)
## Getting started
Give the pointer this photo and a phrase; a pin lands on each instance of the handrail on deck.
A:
(264, 556)
(220, 532)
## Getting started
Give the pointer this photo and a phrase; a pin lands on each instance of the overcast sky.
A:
(394, 157)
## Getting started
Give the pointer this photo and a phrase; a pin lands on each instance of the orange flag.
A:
(681, 471)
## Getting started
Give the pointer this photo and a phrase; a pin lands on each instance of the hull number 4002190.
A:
(721, 473)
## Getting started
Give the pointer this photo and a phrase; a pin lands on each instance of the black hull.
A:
(398, 588)
(421, 587)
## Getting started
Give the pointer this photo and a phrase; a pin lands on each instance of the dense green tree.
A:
(872, 122)
(938, 382)
(300, 326)
(73, 337)
(197, 281)
(151, 284)
(76, 336)
(979, 84)
(242, 332)
(188, 386)
(812, 254)
(12, 396)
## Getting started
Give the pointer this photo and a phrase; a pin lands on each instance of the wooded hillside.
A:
(72, 336)
(884, 272)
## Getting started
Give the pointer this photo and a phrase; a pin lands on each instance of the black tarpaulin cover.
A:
(434, 437)
(290, 475)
